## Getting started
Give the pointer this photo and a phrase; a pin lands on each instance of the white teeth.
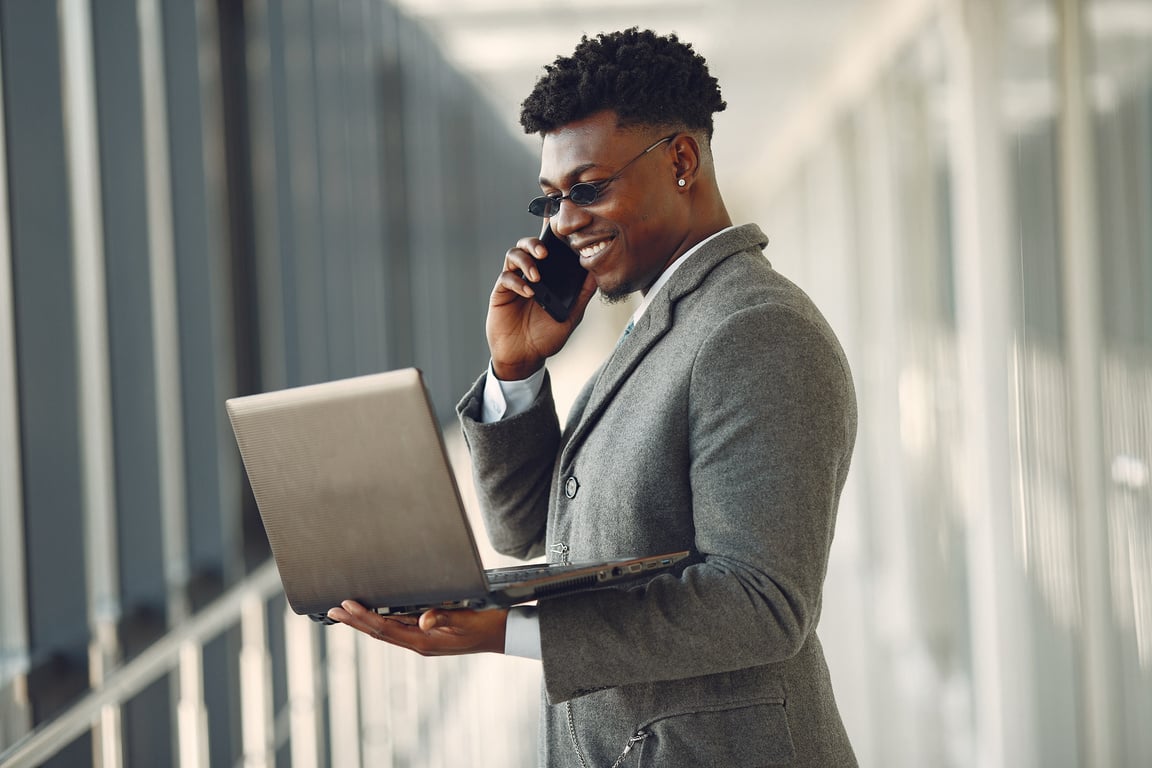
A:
(593, 249)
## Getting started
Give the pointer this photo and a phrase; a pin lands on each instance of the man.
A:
(723, 423)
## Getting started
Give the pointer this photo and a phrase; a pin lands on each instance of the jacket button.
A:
(571, 486)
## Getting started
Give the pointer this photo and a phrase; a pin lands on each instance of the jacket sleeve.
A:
(512, 464)
(772, 422)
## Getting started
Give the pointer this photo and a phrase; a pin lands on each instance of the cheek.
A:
(656, 211)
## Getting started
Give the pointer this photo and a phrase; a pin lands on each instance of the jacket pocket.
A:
(744, 735)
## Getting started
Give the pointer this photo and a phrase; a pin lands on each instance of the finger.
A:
(442, 621)
(398, 618)
(402, 633)
(532, 246)
(523, 259)
(435, 633)
(358, 617)
(513, 282)
(429, 620)
(373, 620)
(355, 611)
(349, 612)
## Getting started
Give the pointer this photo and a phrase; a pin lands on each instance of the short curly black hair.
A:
(647, 79)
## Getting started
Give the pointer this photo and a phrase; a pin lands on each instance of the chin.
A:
(616, 294)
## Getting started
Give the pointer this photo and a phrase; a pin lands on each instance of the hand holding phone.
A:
(561, 277)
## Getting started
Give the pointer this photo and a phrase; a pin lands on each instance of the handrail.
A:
(159, 659)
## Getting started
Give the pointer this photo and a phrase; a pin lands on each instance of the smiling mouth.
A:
(594, 250)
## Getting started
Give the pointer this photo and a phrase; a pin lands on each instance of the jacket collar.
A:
(657, 319)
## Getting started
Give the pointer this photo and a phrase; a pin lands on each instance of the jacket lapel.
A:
(657, 321)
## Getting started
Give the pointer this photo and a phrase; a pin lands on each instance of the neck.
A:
(704, 214)
(709, 215)
(693, 238)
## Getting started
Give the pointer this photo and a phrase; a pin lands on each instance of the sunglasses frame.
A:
(547, 206)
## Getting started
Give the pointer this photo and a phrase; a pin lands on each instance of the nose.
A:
(570, 218)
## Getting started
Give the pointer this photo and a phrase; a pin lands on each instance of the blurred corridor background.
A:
(204, 198)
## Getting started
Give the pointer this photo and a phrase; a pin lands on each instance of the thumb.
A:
(430, 620)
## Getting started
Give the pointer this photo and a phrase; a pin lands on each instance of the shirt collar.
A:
(667, 273)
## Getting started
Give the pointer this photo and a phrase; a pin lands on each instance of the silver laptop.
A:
(359, 502)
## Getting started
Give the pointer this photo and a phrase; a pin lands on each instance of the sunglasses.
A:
(586, 192)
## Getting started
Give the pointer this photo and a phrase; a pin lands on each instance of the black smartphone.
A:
(561, 277)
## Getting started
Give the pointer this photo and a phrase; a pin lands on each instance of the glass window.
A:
(1121, 90)
(1044, 511)
(917, 92)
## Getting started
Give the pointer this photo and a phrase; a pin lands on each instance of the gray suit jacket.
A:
(724, 425)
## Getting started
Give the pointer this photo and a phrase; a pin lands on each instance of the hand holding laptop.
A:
(355, 472)
(432, 633)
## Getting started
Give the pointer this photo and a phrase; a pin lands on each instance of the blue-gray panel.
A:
(424, 125)
(1037, 214)
(367, 281)
(198, 265)
(41, 232)
(148, 739)
(459, 150)
(146, 719)
(333, 185)
(239, 193)
(1123, 138)
(274, 127)
(119, 102)
(394, 199)
(302, 225)
(222, 699)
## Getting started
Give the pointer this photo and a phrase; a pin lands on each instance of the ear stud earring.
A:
(681, 182)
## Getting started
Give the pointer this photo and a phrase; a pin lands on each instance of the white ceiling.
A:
(767, 54)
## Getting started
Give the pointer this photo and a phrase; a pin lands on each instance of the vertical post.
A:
(108, 743)
(255, 685)
(166, 335)
(375, 715)
(303, 690)
(344, 697)
(1078, 218)
(191, 714)
(15, 712)
(79, 97)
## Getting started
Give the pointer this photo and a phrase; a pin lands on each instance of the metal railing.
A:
(179, 651)
(350, 701)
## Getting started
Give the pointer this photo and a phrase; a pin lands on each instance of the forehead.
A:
(592, 143)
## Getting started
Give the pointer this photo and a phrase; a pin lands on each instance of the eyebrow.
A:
(575, 173)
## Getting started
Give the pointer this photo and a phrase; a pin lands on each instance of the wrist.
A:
(516, 371)
(498, 638)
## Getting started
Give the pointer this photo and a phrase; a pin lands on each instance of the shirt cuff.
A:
(522, 633)
(505, 399)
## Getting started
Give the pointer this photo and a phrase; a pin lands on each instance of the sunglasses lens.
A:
(583, 193)
(544, 206)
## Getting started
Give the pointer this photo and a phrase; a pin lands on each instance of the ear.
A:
(686, 160)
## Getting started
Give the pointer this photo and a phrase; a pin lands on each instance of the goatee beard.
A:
(617, 295)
